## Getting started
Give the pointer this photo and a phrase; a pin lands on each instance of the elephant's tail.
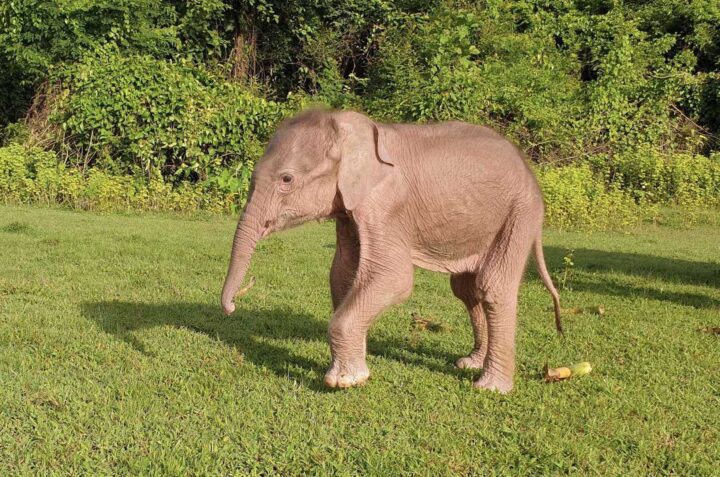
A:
(547, 281)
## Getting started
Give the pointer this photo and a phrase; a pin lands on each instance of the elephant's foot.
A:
(346, 374)
(472, 361)
(494, 382)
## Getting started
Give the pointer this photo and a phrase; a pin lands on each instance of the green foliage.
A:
(144, 117)
(565, 84)
(690, 180)
(576, 197)
(425, 71)
(600, 194)
(636, 83)
(694, 24)
(35, 35)
(34, 176)
(625, 93)
(565, 280)
(200, 27)
(296, 41)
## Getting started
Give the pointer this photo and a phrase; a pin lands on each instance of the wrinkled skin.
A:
(448, 197)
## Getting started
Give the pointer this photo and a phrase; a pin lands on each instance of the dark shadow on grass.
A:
(243, 330)
(669, 270)
(248, 331)
(422, 355)
(673, 270)
(694, 300)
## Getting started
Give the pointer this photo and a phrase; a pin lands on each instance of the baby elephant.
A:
(449, 197)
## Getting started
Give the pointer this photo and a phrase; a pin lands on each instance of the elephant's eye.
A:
(286, 178)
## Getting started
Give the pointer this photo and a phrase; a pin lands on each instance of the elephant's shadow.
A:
(255, 333)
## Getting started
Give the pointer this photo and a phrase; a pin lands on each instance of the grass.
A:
(116, 359)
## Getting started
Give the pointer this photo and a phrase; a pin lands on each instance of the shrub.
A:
(34, 176)
(36, 36)
(472, 64)
(148, 99)
(651, 177)
(576, 197)
(144, 117)
(26, 173)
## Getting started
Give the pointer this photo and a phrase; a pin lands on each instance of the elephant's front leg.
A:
(346, 260)
(382, 280)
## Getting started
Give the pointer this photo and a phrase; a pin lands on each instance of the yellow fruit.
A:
(580, 369)
(562, 373)
(556, 374)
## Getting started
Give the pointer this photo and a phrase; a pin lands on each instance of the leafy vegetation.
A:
(116, 359)
(625, 93)
(573, 195)
(34, 176)
(173, 120)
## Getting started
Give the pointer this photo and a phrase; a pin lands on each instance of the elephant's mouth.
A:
(288, 220)
(267, 228)
(284, 221)
(275, 225)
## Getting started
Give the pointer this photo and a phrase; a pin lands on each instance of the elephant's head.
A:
(317, 165)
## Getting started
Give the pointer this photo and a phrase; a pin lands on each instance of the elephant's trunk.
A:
(249, 230)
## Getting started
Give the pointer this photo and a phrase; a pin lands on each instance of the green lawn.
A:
(116, 359)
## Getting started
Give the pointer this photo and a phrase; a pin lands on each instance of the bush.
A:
(34, 176)
(472, 64)
(36, 36)
(145, 117)
(159, 121)
(576, 197)
(684, 179)
(28, 174)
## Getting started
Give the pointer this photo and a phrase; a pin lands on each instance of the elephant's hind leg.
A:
(499, 363)
(500, 279)
(465, 287)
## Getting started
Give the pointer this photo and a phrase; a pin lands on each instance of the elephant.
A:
(449, 197)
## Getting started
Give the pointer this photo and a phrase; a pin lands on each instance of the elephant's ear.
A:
(363, 155)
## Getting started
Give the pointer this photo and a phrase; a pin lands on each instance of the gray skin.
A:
(448, 197)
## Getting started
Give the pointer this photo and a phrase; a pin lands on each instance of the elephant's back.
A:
(461, 164)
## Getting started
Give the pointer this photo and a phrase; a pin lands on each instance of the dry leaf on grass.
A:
(420, 323)
(243, 291)
(589, 310)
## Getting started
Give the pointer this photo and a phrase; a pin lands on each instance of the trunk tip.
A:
(228, 304)
(228, 308)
